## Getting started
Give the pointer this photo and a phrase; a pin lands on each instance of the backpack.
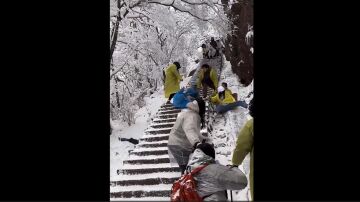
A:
(184, 189)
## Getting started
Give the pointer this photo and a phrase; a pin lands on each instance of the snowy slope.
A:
(119, 151)
(227, 127)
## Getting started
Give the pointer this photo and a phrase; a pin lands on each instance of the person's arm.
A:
(244, 143)
(192, 128)
(175, 72)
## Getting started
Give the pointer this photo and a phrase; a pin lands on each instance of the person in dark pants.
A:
(215, 46)
(207, 78)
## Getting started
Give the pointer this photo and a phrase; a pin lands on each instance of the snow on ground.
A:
(119, 151)
(227, 127)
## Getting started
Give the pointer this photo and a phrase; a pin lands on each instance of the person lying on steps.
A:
(224, 101)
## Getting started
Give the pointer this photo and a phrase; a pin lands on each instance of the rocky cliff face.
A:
(236, 49)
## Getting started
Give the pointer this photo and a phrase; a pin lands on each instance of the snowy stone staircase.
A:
(147, 174)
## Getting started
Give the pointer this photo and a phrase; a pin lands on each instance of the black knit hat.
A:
(177, 65)
(207, 148)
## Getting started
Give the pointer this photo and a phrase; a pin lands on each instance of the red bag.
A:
(184, 189)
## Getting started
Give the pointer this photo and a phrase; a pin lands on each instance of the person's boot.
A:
(182, 168)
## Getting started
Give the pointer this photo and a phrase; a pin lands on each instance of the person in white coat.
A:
(185, 134)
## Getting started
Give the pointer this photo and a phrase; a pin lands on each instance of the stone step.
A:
(167, 106)
(148, 153)
(154, 139)
(159, 131)
(153, 145)
(149, 181)
(167, 116)
(148, 170)
(147, 161)
(140, 194)
(174, 111)
(165, 125)
(164, 120)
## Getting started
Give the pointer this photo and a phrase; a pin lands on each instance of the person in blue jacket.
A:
(184, 96)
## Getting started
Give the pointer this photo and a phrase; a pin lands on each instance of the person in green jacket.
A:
(172, 80)
(245, 145)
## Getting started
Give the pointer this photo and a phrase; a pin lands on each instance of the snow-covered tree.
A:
(147, 36)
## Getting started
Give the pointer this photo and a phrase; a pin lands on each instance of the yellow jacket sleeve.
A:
(244, 143)
(175, 72)
(215, 99)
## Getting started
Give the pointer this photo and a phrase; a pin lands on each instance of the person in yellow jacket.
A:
(245, 145)
(224, 101)
(207, 78)
(172, 80)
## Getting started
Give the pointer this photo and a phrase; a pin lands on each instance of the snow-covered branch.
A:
(179, 8)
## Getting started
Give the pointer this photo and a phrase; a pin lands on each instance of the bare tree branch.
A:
(199, 3)
(181, 10)
(116, 71)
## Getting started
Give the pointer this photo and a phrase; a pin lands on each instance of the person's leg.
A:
(220, 109)
(182, 169)
(239, 104)
(204, 90)
(224, 108)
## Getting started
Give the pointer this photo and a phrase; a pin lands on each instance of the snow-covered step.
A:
(150, 170)
(142, 199)
(147, 161)
(158, 120)
(141, 194)
(156, 138)
(167, 116)
(157, 187)
(163, 125)
(148, 166)
(142, 143)
(149, 181)
(148, 153)
(175, 111)
(167, 106)
(154, 145)
(169, 109)
(144, 175)
(159, 131)
(134, 157)
(143, 149)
